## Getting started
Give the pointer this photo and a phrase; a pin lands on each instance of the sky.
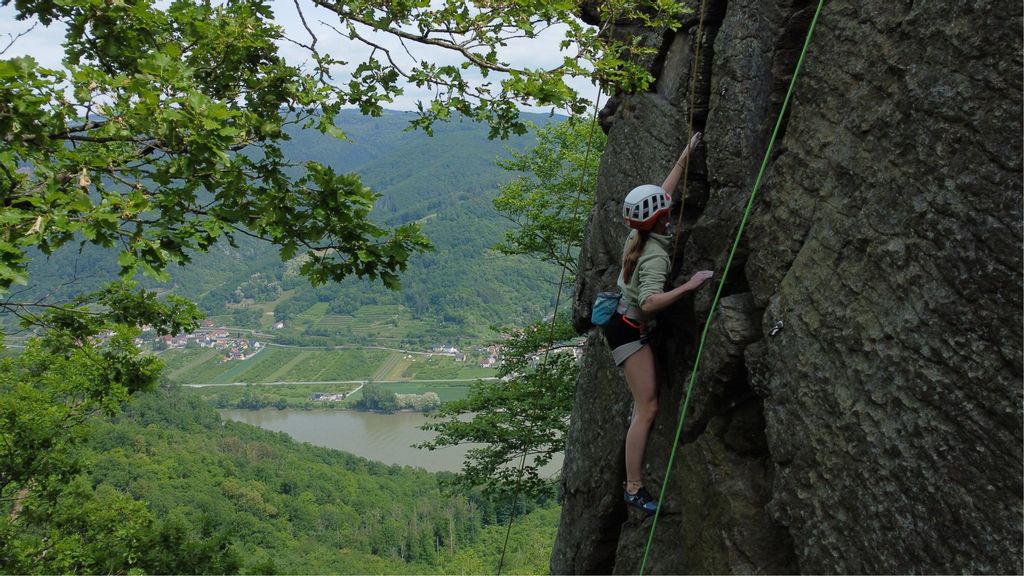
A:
(44, 44)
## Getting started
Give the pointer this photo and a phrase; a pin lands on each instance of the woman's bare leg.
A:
(639, 372)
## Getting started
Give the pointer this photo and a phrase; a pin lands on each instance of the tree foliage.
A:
(377, 398)
(547, 204)
(525, 413)
(486, 83)
(104, 531)
(163, 135)
(85, 364)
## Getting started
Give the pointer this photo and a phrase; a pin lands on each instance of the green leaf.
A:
(334, 131)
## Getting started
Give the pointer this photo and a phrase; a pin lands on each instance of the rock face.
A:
(880, 429)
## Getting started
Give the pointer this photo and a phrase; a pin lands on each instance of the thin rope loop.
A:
(554, 316)
(689, 131)
(721, 282)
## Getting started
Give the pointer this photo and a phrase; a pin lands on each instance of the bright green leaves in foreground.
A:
(168, 139)
(85, 364)
(549, 202)
(162, 133)
(527, 410)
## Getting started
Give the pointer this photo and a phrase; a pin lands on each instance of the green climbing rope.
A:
(721, 282)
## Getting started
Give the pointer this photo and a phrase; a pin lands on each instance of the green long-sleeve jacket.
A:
(651, 270)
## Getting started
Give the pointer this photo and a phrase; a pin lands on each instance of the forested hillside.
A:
(181, 481)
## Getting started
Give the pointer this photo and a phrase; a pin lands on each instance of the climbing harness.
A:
(721, 282)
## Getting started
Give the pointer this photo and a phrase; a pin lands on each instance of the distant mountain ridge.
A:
(406, 167)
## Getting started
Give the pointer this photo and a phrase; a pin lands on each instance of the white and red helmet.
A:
(644, 205)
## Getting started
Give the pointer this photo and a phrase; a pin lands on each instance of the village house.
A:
(235, 348)
(493, 356)
(321, 397)
(445, 349)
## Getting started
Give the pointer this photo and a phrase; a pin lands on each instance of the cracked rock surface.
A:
(879, 430)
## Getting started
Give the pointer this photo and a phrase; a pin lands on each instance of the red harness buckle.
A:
(626, 319)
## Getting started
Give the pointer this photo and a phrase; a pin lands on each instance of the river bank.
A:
(330, 395)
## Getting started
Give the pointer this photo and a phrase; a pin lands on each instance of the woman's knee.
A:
(646, 410)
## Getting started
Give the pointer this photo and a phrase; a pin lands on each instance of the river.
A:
(385, 438)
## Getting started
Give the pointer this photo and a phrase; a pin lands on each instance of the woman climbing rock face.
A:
(645, 267)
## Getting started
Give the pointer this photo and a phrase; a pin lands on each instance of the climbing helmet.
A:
(644, 205)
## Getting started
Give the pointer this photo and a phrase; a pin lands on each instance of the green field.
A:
(443, 368)
(272, 364)
(279, 364)
(312, 314)
(294, 395)
(446, 391)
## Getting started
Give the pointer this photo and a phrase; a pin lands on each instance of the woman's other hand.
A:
(698, 279)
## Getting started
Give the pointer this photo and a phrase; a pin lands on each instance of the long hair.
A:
(632, 255)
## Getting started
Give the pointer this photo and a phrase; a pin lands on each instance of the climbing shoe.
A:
(641, 500)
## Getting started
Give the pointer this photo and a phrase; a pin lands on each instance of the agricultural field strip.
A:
(287, 366)
(335, 320)
(386, 366)
(203, 356)
(442, 381)
(234, 370)
(397, 369)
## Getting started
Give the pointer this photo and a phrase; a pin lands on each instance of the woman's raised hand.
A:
(695, 140)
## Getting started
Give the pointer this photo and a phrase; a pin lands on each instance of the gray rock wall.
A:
(880, 430)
